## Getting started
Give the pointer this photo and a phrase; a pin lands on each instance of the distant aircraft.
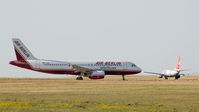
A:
(92, 70)
(170, 73)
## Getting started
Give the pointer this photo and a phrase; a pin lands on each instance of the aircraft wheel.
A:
(166, 77)
(176, 78)
(123, 77)
(79, 78)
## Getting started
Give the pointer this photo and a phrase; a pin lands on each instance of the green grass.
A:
(138, 94)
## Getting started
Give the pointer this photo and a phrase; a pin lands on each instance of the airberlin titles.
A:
(109, 63)
(22, 49)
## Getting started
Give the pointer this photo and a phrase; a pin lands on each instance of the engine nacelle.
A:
(97, 75)
(177, 76)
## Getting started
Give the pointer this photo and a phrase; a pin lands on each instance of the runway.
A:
(112, 94)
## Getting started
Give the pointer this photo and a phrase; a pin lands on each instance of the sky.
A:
(150, 33)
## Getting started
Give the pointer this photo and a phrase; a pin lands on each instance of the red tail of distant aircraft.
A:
(93, 70)
(178, 64)
(170, 73)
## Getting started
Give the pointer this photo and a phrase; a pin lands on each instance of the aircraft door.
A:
(124, 65)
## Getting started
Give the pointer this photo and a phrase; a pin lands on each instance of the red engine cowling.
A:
(97, 75)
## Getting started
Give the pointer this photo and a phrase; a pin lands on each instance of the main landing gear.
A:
(123, 77)
(79, 78)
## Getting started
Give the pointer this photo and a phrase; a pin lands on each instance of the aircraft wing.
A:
(81, 69)
(154, 73)
(181, 74)
(185, 70)
(188, 74)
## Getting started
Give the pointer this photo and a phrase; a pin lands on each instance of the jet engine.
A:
(177, 77)
(97, 75)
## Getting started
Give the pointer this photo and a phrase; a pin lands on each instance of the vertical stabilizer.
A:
(21, 51)
(178, 64)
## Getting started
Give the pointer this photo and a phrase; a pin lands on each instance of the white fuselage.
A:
(62, 67)
(170, 73)
(100, 65)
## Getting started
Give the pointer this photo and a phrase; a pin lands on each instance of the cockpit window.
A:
(133, 65)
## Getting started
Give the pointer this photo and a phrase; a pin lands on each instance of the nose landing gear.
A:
(123, 77)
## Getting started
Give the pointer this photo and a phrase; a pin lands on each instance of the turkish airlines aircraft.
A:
(170, 73)
(92, 70)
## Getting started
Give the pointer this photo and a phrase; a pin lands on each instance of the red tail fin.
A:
(178, 64)
(18, 56)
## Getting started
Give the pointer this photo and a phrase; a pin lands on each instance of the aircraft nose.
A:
(139, 69)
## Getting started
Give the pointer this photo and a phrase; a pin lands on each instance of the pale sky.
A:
(150, 33)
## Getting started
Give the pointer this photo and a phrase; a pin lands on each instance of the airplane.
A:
(170, 73)
(92, 70)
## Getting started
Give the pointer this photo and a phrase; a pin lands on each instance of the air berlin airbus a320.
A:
(92, 70)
